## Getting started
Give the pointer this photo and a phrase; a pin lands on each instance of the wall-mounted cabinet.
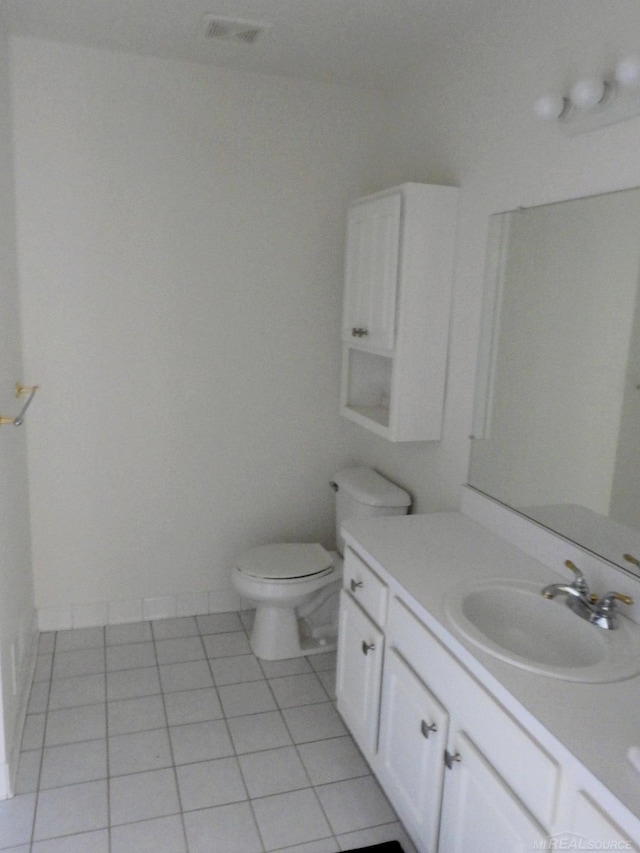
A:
(398, 278)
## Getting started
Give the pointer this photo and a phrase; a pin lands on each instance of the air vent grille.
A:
(229, 29)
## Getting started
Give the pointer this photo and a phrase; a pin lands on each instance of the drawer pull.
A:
(367, 647)
(355, 585)
(425, 728)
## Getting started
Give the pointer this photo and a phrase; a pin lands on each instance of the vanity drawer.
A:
(521, 761)
(366, 587)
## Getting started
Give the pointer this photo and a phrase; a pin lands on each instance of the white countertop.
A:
(429, 555)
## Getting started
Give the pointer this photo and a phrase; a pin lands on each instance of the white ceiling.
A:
(372, 43)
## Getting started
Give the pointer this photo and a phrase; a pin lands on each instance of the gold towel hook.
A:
(21, 390)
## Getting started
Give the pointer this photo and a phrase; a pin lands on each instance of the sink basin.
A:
(514, 622)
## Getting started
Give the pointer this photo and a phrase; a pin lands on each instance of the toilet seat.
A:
(286, 562)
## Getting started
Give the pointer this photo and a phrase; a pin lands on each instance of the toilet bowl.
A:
(287, 582)
(295, 586)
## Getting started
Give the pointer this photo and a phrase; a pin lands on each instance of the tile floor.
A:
(171, 737)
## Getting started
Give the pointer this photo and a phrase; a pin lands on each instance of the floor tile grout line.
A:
(106, 745)
(320, 702)
(237, 758)
(44, 747)
(238, 755)
(171, 751)
(315, 793)
(72, 742)
(313, 787)
(317, 798)
(44, 734)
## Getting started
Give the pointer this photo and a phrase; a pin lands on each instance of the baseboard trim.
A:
(100, 613)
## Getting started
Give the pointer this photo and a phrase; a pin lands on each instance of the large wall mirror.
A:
(557, 420)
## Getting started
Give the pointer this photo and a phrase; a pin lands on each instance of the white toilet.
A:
(292, 582)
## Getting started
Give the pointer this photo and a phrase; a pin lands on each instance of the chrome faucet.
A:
(578, 595)
(605, 612)
(598, 611)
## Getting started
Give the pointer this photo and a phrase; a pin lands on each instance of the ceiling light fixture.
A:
(594, 102)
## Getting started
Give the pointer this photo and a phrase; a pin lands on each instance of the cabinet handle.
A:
(425, 728)
(449, 759)
(355, 585)
(367, 647)
(359, 332)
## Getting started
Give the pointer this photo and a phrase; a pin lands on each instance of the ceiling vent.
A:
(229, 29)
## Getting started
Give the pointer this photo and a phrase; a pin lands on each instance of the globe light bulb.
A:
(587, 93)
(628, 71)
(550, 106)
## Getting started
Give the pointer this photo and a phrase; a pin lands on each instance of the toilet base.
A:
(277, 635)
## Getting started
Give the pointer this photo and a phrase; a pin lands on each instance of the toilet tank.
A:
(363, 493)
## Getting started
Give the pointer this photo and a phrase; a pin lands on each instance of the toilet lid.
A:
(288, 561)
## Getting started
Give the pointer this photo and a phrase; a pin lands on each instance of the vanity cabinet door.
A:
(359, 673)
(591, 824)
(413, 736)
(479, 811)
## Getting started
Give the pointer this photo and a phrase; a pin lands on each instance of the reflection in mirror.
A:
(557, 420)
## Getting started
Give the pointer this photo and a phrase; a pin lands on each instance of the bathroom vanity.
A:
(476, 752)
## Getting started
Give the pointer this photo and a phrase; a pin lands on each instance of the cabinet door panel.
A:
(592, 826)
(371, 275)
(413, 736)
(479, 715)
(480, 812)
(359, 673)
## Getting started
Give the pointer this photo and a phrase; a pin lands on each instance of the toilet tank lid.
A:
(369, 487)
(284, 561)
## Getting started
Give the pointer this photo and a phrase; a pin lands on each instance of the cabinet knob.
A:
(367, 647)
(355, 585)
(359, 332)
(425, 728)
(449, 759)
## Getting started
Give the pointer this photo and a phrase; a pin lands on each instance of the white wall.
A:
(17, 625)
(147, 213)
(180, 234)
(468, 120)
